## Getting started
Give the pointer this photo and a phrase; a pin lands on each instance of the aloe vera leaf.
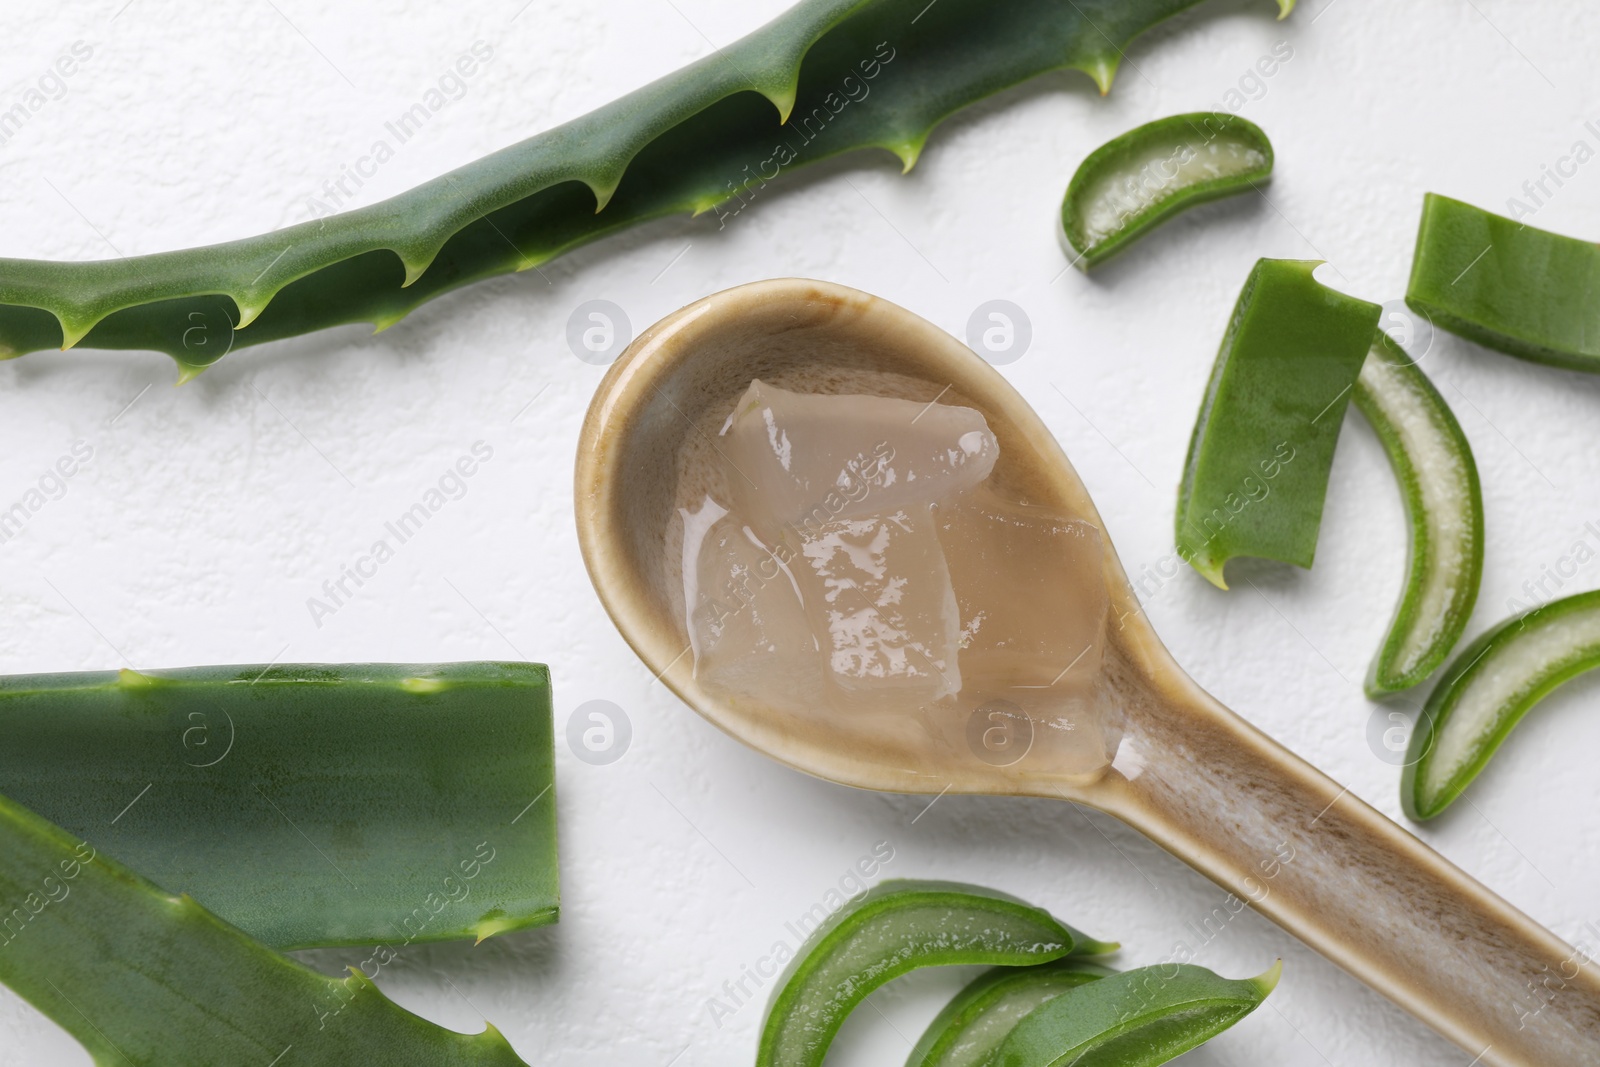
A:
(1504, 284)
(1487, 690)
(1139, 1018)
(894, 928)
(142, 978)
(827, 77)
(306, 804)
(1133, 183)
(1438, 479)
(1257, 471)
(970, 1029)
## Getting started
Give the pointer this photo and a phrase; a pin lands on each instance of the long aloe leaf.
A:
(827, 77)
(146, 979)
(307, 805)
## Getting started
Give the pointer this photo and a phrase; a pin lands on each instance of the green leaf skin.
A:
(972, 1026)
(1438, 479)
(1152, 173)
(1257, 471)
(306, 804)
(707, 138)
(1527, 292)
(1139, 1018)
(897, 927)
(1486, 691)
(145, 979)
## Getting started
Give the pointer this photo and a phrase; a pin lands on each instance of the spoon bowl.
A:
(1166, 757)
(665, 403)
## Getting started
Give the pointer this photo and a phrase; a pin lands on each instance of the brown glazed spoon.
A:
(1193, 776)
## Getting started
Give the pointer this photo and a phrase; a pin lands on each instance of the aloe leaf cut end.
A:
(1262, 448)
(308, 804)
(1506, 285)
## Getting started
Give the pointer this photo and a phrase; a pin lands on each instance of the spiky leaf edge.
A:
(166, 301)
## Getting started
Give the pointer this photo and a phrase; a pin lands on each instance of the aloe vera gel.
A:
(859, 560)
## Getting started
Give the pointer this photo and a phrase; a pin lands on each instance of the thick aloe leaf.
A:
(829, 76)
(307, 805)
(146, 979)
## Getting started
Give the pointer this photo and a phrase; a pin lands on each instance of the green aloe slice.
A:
(824, 78)
(970, 1029)
(1135, 182)
(1444, 508)
(1502, 283)
(143, 978)
(1139, 1018)
(306, 804)
(897, 927)
(1257, 470)
(1486, 691)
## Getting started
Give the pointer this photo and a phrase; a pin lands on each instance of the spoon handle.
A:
(1352, 884)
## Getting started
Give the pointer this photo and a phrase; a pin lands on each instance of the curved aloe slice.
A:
(1135, 182)
(1500, 282)
(1138, 1018)
(971, 1027)
(1492, 684)
(827, 77)
(308, 805)
(897, 927)
(141, 977)
(1444, 507)
(1257, 471)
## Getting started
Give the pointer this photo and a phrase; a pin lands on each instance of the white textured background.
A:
(209, 514)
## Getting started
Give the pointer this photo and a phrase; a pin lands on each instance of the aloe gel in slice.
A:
(1133, 183)
(895, 928)
(1444, 508)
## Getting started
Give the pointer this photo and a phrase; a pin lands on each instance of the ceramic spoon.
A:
(1189, 773)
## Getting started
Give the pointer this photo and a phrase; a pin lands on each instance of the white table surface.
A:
(209, 514)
